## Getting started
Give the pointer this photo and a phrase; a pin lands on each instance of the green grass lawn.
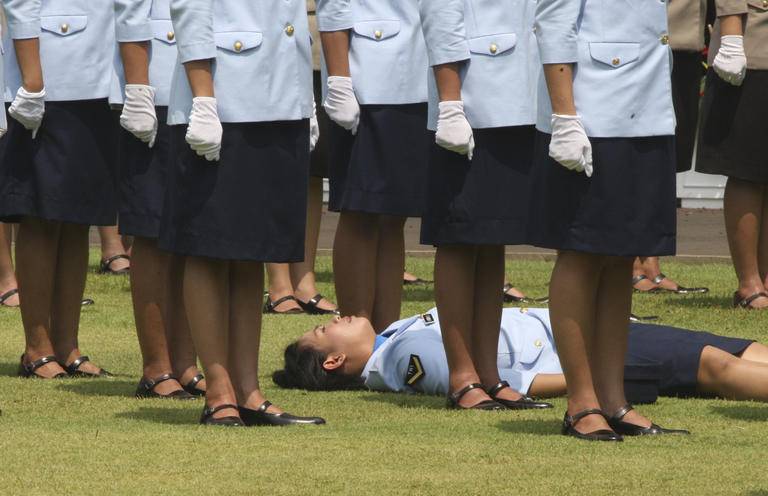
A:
(86, 436)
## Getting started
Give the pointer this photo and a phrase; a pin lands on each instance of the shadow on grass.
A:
(407, 400)
(757, 492)
(161, 415)
(99, 387)
(742, 412)
(418, 293)
(696, 301)
(9, 369)
(539, 427)
(324, 276)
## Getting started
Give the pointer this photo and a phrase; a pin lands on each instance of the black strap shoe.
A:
(628, 429)
(28, 370)
(452, 403)
(73, 369)
(146, 389)
(523, 403)
(206, 418)
(598, 435)
(191, 386)
(262, 417)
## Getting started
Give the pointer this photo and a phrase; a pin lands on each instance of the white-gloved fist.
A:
(730, 62)
(570, 145)
(204, 130)
(453, 130)
(341, 103)
(138, 116)
(28, 108)
(314, 128)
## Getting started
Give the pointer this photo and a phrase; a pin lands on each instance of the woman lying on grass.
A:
(408, 356)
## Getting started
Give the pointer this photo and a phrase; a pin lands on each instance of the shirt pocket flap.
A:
(615, 54)
(64, 25)
(493, 45)
(759, 4)
(238, 41)
(162, 30)
(529, 354)
(377, 30)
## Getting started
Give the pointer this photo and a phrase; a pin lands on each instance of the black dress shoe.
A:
(28, 370)
(524, 403)
(146, 389)
(73, 369)
(263, 417)
(191, 386)
(206, 418)
(628, 429)
(452, 403)
(598, 435)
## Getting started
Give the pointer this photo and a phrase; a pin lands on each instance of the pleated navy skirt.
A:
(627, 207)
(482, 202)
(250, 205)
(382, 169)
(142, 176)
(67, 173)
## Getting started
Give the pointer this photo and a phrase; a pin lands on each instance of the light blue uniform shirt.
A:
(494, 41)
(147, 20)
(262, 68)
(387, 55)
(77, 40)
(526, 349)
(622, 82)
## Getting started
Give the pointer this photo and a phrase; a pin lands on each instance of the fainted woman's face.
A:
(340, 334)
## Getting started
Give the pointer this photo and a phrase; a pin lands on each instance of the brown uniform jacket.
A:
(686, 24)
(315, 34)
(755, 15)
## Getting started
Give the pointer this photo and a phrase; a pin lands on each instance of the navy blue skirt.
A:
(67, 173)
(382, 169)
(249, 206)
(142, 175)
(627, 207)
(482, 202)
(676, 353)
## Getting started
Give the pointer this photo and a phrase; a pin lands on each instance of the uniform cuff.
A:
(338, 22)
(731, 7)
(455, 52)
(24, 30)
(197, 51)
(558, 53)
(134, 32)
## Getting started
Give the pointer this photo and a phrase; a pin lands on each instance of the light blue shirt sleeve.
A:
(557, 30)
(132, 20)
(193, 25)
(334, 15)
(442, 22)
(23, 18)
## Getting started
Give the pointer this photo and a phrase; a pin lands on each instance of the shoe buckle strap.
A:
(208, 411)
(72, 367)
(572, 419)
(32, 366)
(151, 383)
(494, 390)
(659, 278)
(621, 412)
(455, 397)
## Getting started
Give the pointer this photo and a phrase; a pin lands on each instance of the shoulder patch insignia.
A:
(427, 318)
(415, 370)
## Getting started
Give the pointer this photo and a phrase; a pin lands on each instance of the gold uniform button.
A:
(616, 61)
(537, 343)
(665, 39)
(171, 35)
(289, 30)
(64, 28)
(494, 48)
(765, 3)
(238, 46)
(523, 310)
(378, 34)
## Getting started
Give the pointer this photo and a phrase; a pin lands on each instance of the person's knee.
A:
(714, 364)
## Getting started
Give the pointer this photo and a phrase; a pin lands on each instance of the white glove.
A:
(28, 108)
(341, 103)
(138, 116)
(730, 62)
(204, 130)
(570, 145)
(314, 127)
(453, 130)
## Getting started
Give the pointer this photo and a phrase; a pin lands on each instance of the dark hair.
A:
(304, 370)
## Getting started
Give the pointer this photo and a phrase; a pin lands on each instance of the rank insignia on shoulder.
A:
(427, 318)
(415, 370)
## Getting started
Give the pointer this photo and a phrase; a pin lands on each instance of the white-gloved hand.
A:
(341, 103)
(453, 130)
(730, 62)
(204, 130)
(314, 128)
(570, 145)
(28, 108)
(138, 116)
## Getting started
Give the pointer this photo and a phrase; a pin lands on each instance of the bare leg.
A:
(454, 287)
(36, 256)
(181, 349)
(390, 261)
(354, 262)
(206, 298)
(149, 280)
(513, 291)
(755, 352)
(743, 207)
(7, 273)
(762, 244)
(111, 245)
(640, 267)
(548, 385)
(280, 286)
(731, 377)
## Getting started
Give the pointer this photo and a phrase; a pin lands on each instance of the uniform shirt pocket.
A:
(614, 54)
(492, 45)
(377, 30)
(162, 30)
(530, 354)
(64, 25)
(238, 41)
(761, 5)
